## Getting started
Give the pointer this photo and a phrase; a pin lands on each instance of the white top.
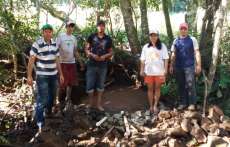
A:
(195, 44)
(67, 45)
(154, 60)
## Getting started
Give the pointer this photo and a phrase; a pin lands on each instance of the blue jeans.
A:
(186, 85)
(46, 93)
(95, 78)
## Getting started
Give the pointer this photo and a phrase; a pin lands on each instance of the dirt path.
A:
(117, 98)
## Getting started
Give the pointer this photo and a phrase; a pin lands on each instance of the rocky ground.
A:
(129, 125)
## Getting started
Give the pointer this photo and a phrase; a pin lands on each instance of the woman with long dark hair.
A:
(154, 68)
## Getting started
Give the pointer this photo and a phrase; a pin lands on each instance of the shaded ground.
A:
(127, 98)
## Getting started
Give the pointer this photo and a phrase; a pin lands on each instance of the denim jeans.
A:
(95, 78)
(46, 93)
(186, 85)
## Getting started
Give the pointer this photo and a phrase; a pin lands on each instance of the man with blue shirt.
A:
(46, 56)
(185, 63)
(99, 51)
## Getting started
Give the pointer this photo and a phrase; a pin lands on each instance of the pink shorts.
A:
(154, 79)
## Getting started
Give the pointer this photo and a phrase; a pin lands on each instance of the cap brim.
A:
(183, 27)
(71, 24)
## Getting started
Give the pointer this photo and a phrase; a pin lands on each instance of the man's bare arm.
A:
(172, 62)
(142, 69)
(59, 70)
(30, 70)
(108, 55)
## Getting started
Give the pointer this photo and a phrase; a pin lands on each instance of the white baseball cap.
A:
(153, 31)
(69, 22)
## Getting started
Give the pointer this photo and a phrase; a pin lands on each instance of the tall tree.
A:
(144, 22)
(216, 44)
(131, 31)
(215, 50)
(191, 15)
(167, 20)
(206, 38)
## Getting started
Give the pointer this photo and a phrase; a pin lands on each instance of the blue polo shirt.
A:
(184, 49)
(100, 47)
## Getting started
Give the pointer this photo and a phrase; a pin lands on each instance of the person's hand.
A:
(30, 80)
(142, 73)
(171, 69)
(102, 58)
(198, 69)
(61, 79)
(82, 68)
(166, 73)
(95, 57)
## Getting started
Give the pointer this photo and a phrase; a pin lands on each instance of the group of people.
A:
(55, 67)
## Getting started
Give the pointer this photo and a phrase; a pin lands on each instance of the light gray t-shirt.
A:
(67, 45)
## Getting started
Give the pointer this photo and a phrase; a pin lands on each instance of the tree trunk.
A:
(14, 47)
(98, 15)
(191, 15)
(15, 62)
(206, 38)
(144, 22)
(217, 39)
(54, 12)
(108, 16)
(38, 8)
(167, 21)
(110, 24)
(131, 31)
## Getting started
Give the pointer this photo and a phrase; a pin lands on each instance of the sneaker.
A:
(192, 107)
(181, 107)
(68, 106)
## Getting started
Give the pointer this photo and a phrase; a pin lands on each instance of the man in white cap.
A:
(67, 45)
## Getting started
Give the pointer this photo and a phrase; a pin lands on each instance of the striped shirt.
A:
(46, 55)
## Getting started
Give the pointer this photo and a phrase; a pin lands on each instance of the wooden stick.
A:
(101, 121)
(106, 134)
(127, 129)
(205, 93)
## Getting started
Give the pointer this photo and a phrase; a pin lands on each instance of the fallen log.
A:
(101, 121)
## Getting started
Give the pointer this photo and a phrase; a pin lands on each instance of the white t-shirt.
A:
(67, 45)
(194, 41)
(154, 60)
